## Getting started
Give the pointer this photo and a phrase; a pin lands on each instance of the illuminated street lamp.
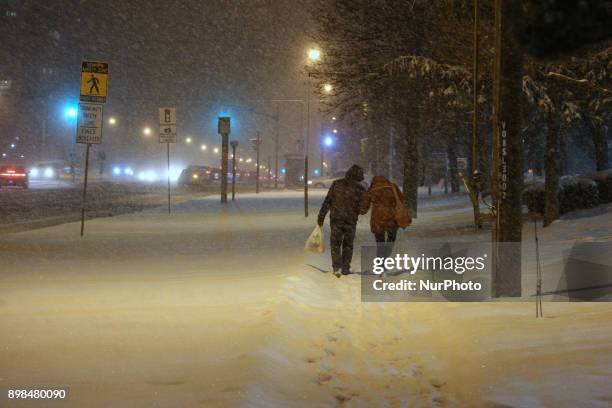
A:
(335, 130)
(328, 88)
(188, 140)
(216, 150)
(314, 54)
(112, 121)
(146, 131)
(203, 147)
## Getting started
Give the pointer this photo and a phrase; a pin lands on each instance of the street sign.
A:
(167, 134)
(462, 163)
(167, 125)
(167, 116)
(224, 125)
(89, 123)
(94, 81)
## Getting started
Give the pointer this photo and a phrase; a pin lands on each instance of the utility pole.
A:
(476, 187)
(276, 141)
(269, 170)
(256, 143)
(224, 131)
(234, 144)
(307, 149)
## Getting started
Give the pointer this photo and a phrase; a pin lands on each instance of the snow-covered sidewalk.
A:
(205, 307)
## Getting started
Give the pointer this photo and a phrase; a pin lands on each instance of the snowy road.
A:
(212, 308)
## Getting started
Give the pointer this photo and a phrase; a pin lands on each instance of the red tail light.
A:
(12, 174)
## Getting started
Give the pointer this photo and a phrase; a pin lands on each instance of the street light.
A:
(188, 140)
(314, 54)
(146, 131)
(112, 121)
(327, 88)
(203, 147)
(335, 130)
(216, 150)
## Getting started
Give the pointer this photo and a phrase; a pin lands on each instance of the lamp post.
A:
(234, 144)
(314, 55)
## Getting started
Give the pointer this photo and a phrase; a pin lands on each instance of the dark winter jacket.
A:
(381, 196)
(344, 198)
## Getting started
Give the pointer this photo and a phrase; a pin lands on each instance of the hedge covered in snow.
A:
(575, 192)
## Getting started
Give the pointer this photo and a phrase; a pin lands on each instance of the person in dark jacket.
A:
(381, 197)
(343, 201)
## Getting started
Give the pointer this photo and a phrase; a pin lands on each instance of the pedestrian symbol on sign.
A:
(94, 84)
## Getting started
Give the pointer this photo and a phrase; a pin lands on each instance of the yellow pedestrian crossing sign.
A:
(94, 81)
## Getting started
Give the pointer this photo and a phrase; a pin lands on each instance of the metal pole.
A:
(269, 169)
(84, 198)
(224, 163)
(475, 171)
(276, 149)
(322, 157)
(168, 151)
(257, 171)
(307, 150)
(233, 171)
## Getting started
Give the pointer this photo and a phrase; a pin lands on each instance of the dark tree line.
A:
(403, 75)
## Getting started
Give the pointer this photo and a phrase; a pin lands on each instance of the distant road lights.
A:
(203, 147)
(335, 131)
(13, 145)
(216, 150)
(328, 141)
(328, 88)
(188, 140)
(333, 118)
(112, 121)
(314, 55)
(241, 160)
(146, 131)
(249, 160)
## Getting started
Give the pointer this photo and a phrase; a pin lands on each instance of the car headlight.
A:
(49, 172)
(34, 172)
(116, 171)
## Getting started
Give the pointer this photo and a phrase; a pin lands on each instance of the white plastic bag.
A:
(315, 243)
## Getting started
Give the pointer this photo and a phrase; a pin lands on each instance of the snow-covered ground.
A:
(216, 308)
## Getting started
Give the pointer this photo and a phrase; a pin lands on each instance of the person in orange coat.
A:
(381, 197)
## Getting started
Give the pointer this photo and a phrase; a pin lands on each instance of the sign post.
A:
(256, 143)
(224, 131)
(234, 144)
(93, 91)
(167, 135)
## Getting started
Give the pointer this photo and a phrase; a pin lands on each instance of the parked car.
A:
(13, 176)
